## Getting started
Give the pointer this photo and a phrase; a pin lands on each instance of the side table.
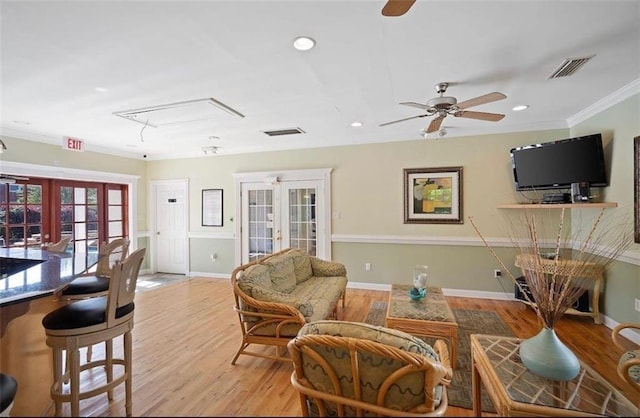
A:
(514, 390)
(563, 268)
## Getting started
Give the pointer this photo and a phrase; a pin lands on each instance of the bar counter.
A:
(29, 279)
(45, 272)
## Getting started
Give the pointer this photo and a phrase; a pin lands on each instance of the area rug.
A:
(469, 322)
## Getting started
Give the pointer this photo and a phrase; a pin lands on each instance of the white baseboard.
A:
(211, 275)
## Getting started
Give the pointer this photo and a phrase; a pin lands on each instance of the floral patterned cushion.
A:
(282, 273)
(634, 371)
(322, 267)
(301, 264)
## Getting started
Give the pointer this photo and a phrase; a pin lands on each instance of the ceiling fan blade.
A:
(435, 124)
(397, 7)
(418, 105)
(487, 98)
(492, 117)
(402, 120)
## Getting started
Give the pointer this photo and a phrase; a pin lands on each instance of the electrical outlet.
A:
(497, 273)
(637, 306)
(367, 266)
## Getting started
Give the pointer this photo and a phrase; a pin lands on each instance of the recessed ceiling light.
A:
(101, 89)
(303, 43)
(520, 107)
(356, 124)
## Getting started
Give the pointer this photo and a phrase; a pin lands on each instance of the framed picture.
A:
(636, 187)
(212, 207)
(433, 195)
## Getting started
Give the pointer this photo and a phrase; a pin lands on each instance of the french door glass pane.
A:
(115, 213)
(260, 223)
(302, 219)
(79, 195)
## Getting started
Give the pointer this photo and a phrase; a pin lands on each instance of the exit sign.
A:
(73, 144)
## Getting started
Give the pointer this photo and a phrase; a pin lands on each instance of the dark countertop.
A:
(45, 272)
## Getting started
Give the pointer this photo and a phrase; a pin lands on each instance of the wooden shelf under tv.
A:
(598, 205)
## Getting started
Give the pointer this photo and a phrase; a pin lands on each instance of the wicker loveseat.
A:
(276, 295)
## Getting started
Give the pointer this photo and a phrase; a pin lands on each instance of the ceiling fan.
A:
(446, 105)
(397, 7)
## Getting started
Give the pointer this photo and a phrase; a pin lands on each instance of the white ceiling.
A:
(55, 54)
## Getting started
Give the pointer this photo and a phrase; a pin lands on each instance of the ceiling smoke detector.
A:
(210, 150)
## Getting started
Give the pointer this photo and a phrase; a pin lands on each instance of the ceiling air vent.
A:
(569, 66)
(280, 132)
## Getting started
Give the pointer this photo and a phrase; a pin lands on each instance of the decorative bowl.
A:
(417, 293)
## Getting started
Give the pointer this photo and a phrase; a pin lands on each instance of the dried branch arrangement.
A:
(556, 281)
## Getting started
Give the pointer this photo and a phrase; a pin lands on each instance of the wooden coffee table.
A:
(428, 317)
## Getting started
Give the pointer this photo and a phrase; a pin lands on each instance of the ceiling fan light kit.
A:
(443, 106)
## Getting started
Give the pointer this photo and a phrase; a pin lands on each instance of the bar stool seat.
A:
(96, 284)
(86, 322)
(85, 286)
(8, 390)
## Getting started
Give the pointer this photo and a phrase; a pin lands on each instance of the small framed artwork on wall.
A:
(212, 207)
(433, 195)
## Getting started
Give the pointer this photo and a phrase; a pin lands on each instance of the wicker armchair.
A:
(629, 363)
(355, 369)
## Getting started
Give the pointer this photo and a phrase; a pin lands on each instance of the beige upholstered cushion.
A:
(301, 265)
(322, 267)
(282, 273)
(256, 274)
(323, 293)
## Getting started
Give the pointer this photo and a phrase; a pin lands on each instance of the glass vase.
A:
(546, 356)
(420, 276)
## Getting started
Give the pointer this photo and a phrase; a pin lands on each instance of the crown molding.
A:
(601, 105)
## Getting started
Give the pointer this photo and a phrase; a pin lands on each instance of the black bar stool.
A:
(8, 390)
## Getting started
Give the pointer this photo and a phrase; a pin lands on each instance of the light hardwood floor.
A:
(186, 334)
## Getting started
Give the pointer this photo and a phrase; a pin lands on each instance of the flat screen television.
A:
(558, 164)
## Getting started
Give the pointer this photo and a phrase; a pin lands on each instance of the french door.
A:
(287, 212)
(37, 211)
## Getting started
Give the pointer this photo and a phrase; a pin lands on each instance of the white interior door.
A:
(171, 210)
(283, 211)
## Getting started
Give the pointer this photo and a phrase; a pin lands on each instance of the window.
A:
(45, 210)
(22, 213)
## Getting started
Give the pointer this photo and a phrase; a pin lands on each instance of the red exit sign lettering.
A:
(73, 144)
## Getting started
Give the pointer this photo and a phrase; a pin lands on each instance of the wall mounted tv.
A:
(557, 164)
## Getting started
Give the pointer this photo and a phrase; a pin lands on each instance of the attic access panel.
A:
(180, 113)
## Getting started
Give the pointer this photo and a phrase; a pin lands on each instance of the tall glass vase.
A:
(548, 357)
(420, 276)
